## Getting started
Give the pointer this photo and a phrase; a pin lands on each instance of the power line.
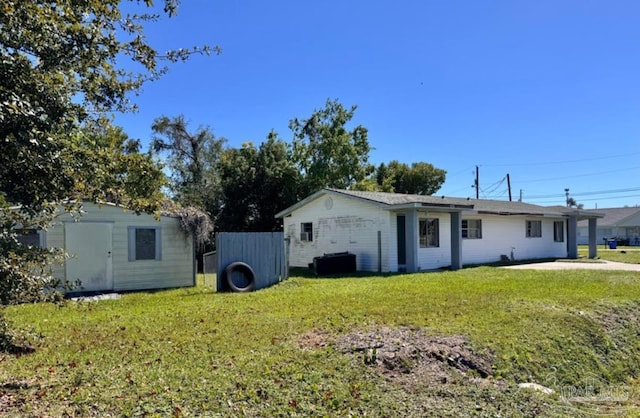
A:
(563, 162)
(590, 199)
(580, 175)
(634, 189)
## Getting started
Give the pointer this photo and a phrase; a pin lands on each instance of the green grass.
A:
(621, 254)
(192, 352)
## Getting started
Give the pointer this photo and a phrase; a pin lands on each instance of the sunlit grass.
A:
(193, 351)
(620, 254)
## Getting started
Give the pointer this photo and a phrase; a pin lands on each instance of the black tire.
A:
(243, 268)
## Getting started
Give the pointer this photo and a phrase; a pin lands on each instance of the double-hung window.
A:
(534, 229)
(558, 231)
(306, 231)
(472, 228)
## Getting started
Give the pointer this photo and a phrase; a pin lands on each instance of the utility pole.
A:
(509, 186)
(477, 184)
(520, 199)
(566, 192)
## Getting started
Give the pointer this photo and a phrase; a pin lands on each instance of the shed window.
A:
(558, 231)
(534, 229)
(429, 233)
(144, 243)
(472, 228)
(31, 237)
(306, 231)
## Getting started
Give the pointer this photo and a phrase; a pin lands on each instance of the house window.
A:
(306, 231)
(429, 233)
(144, 243)
(472, 228)
(558, 231)
(534, 229)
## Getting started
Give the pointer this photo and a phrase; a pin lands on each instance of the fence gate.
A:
(264, 252)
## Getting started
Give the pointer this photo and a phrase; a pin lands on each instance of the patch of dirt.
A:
(408, 355)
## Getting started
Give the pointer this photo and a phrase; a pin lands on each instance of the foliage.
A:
(191, 352)
(25, 270)
(421, 178)
(257, 183)
(59, 66)
(326, 152)
(109, 167)
(193, 222)
(193, 159)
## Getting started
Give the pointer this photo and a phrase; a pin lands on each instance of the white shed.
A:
(113, 249)
(399, 232)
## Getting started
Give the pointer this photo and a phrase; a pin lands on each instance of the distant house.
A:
(620, 223)
(113, 249)
(396, 232)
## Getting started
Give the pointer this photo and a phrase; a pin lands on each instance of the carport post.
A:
(593, 245)
(572, 242)
(456, 240)
(411, 228)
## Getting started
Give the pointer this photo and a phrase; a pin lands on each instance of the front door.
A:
(89, 245)
(402, 241)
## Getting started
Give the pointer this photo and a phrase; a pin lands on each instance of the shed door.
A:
(89, 245)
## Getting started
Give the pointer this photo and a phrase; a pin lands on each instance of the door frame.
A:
(80, 233)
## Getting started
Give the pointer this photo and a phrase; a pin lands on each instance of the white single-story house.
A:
(112, 249)
(619, 223)
(391, 232)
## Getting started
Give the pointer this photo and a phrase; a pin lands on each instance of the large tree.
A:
(64, 64)
(193, 158)
(257, 183)
(328, 153)
(419, 178)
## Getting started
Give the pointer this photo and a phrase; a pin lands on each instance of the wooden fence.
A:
(264, 252)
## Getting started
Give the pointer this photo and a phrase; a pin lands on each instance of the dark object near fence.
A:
(335, 263)
(240, 277)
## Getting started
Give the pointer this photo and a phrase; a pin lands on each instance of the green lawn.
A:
(280, 351)
(621, 254)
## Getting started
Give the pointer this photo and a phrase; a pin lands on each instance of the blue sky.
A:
(547, 91)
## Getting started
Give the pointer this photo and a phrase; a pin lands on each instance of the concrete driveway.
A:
(576, 265)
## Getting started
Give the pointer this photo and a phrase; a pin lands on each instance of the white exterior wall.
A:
(175, 269)
(502, 233)
(352, 225)
(340, 224)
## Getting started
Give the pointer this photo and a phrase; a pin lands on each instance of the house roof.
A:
(613, 216)
(443, 203)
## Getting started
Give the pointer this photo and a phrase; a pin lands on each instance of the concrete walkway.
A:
(576, 265)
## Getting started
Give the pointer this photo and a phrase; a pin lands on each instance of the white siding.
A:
(341, 224)
(175, 269)
(501, 234)
(348, 224)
